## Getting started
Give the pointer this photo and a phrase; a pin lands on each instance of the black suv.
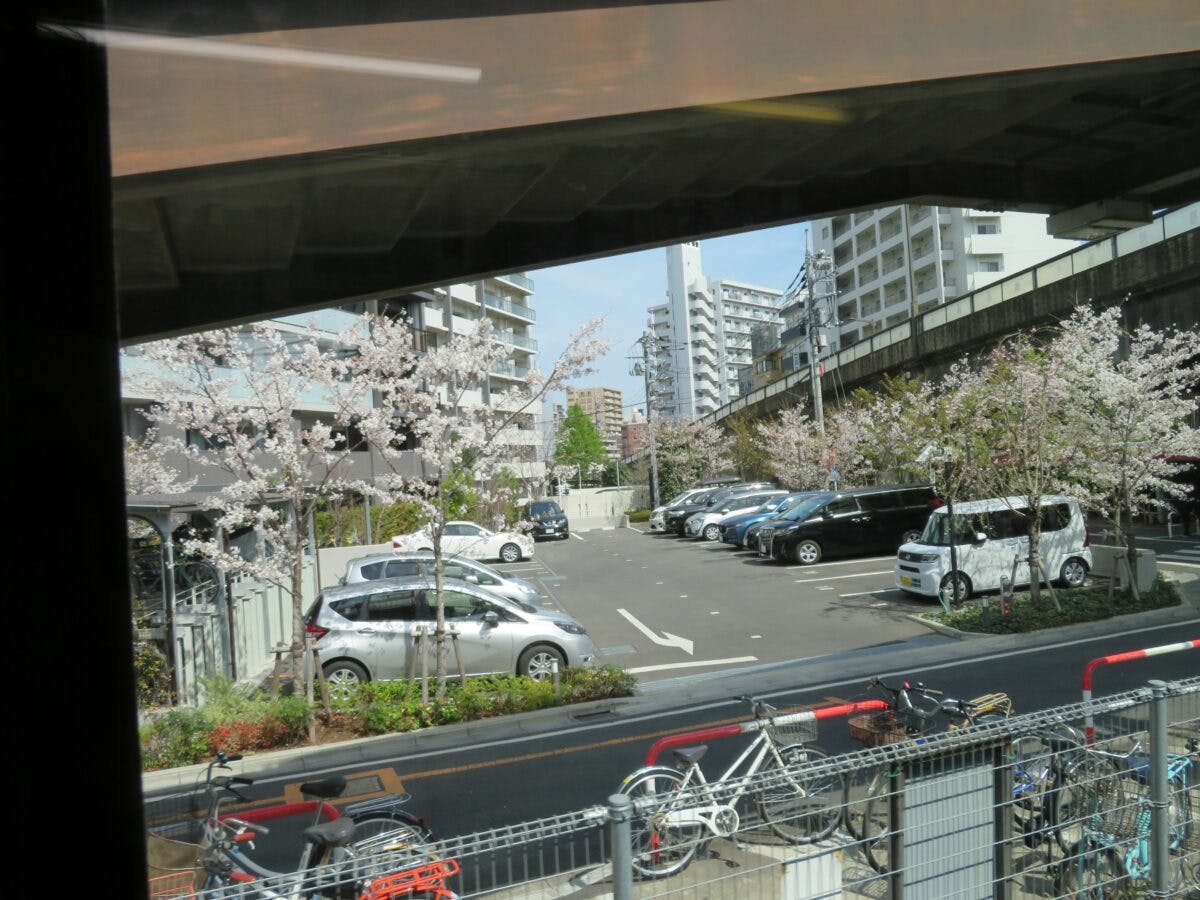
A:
(857, 522)
(674, 519)
(549, 521)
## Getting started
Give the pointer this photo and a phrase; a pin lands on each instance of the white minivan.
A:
(988, 536)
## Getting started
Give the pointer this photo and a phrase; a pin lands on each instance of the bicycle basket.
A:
(171, 866)
(1125, 807)
(875, 729)
(997, 704)
(802, 732)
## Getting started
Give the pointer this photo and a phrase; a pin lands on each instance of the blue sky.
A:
(624, 287)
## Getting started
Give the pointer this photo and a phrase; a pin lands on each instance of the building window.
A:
(825, 233)
(987, 228)
(989, 265)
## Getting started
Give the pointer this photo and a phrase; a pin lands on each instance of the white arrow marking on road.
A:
(669, 640)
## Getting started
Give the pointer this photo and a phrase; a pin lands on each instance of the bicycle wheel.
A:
(861, 786)
(877, 828)
(1033, 777)
(798, 807)
(1077, 804)
(660, 848)
(1091, 871)
(373, 825)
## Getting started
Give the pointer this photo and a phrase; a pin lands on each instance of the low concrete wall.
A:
(590, 508)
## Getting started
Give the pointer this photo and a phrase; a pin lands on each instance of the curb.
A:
(947, 630)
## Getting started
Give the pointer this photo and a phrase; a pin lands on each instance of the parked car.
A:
(734, 530)
(469, 539)
(367, 631)
(674, 519)
(414, 565)
(706, 524)
(989, 536)
(856, 522)
(550, 522)
(656, 515)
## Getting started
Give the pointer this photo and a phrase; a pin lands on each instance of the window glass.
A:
(453, 530)
(400, 568)
(371, 571)
(841, 506)
(1056, 517)
(472, 530)
(349, 608)
(393, 606)
(459, 605)
(877, 502)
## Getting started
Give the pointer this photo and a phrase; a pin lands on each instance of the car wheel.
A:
(342, 677)
(510, 553)
(712, 533)
(808, 552)
(538, 662)
(955, 588)
(1073, 572)
(909, 537)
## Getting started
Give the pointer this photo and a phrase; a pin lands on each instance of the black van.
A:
(856, 522)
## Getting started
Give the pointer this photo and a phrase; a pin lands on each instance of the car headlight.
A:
(571, 627)
(923, 557)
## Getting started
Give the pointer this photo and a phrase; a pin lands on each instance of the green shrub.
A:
(639, 515)
(1086, 604)
(179, 737)
(152, 676)
(599, 683)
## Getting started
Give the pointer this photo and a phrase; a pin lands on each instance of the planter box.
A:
(1104, 563)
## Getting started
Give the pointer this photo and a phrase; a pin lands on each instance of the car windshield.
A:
(772, 504)
(679, 498)
(937, 529)
(807, 507)
(788, 503)
(544, 507)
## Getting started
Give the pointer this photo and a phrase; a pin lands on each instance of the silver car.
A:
(413, 565)
(368, 631)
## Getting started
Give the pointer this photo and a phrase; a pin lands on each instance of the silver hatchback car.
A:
(414, 565)
(367, 631)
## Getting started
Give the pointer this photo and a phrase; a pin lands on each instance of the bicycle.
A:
(690, 810)
(868, 820)
(1108, 843)
(338, 843)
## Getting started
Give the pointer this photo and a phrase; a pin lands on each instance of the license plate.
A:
(906, 581)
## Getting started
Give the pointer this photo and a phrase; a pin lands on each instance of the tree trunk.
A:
(298, 622)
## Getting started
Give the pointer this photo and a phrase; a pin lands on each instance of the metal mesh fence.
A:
(1017, 807)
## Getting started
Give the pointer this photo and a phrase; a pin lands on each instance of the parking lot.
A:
(665, 607)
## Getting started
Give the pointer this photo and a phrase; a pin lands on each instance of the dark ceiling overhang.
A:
(223, 224)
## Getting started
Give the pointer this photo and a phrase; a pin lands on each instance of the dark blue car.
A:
(733, 530)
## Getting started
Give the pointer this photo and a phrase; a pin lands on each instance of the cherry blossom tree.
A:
(443, 407)
(149, 469)
(235, 390)
(1135, 394)
(688, 452)
(801, 454)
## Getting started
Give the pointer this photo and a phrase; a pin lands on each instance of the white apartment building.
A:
(435, 316)
(897, 261)
(703, 333)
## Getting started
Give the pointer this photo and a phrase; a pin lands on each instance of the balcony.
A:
(984, 244)
(517, 281)
(795, 333)
(510, 370)
(516, 340)
(519, 310)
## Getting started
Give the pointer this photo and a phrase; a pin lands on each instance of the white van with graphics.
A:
(989, 535)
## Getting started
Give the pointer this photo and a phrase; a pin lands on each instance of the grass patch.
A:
(1085, 604)
(639, 515)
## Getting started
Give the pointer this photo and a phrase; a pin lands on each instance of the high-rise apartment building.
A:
(897, 261)
(703, 335)
(435, 315)
(603, 406)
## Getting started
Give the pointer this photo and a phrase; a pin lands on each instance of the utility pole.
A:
(648, 369)
(818, 270)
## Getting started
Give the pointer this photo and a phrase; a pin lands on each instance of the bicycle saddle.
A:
(337, 833)
(325, 788)
(691, 755)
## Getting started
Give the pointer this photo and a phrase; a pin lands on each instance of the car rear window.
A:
(401, 568)
(371, 571)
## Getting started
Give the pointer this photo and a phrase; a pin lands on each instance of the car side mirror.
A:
(826, 514)
(491, 617)
(472, 579)
(980, 537)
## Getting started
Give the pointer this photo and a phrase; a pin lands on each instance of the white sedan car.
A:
(469, 539)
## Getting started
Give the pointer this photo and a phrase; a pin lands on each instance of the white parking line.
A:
(694, 663)
(576, 535)
(867, 593)
(1167, 562)
(844, 562)
(838, 577)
